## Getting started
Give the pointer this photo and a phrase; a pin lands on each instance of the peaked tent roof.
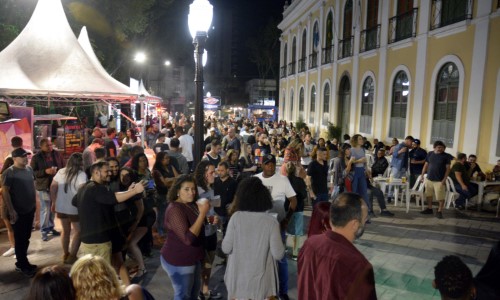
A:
(46, 59)
(84, 41)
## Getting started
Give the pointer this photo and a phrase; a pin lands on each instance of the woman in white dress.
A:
(253, 244)
(62, 190)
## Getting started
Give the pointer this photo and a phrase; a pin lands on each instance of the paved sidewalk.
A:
(403, 251)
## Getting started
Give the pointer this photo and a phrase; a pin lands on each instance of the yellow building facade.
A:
(392, 68)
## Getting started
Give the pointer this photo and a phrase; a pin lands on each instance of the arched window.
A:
(445, 104)
(367, 96)
(400, 91)
(344, 108)
(312, 105)
(326, 105)
(313, 57)
(301, 104)
(327, 56)
(345, 44)
(303, 55)
(291, 105)
(291, 66)
(329, 30)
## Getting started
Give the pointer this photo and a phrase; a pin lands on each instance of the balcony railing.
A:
(403, 26)
(283, 72)
(302, 64)
(327, 55)
(345, 47)
(291, 68)
(313, 60)
(370, 39)
(444, 13)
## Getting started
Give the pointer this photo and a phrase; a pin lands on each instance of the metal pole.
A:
(199, 44)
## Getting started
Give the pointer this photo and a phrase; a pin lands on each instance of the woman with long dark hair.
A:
(140, 166)
(62, 190)
(205, 177)
(52, 283)
(234, 166)
(183, 252)
(131, 138)
(253, 244)
(164, 174)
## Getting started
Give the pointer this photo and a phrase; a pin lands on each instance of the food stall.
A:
(67, 134)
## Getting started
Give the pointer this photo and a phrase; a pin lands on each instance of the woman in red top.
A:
(183, 252)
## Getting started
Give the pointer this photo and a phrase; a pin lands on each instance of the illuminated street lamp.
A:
(167, 63)
(199, 21)
(140, 57)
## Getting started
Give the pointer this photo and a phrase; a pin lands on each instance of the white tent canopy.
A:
(46, 59)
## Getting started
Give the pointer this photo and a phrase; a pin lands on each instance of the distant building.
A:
(261, 91)
(388, 68)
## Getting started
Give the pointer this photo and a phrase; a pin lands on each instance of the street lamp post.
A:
(199, 20)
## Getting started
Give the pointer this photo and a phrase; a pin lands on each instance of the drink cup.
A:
(403, 179)
(215, 201)
(210, 219)
(202, 200)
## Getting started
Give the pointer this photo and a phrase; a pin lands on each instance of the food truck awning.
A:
(53, 117)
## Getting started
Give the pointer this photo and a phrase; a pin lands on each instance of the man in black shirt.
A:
(160, 146)
(95, 208)
(109, 142)
(317, 177)
(225, 187)
(18, 191)
(437, 166)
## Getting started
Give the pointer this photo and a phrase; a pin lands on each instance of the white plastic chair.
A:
(418, 191)
(451, 194)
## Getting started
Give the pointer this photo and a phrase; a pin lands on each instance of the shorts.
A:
(210, 246)
(72, 218)
(435, 188)
(296, 224)
(103, 250)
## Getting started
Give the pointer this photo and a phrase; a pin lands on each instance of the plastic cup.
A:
(202, 200)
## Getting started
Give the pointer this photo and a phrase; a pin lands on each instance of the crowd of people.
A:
(241, 201)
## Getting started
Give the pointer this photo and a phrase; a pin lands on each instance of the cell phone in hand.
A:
(151, 184)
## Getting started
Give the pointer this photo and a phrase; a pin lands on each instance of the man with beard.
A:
(95, 204)
(329, 265)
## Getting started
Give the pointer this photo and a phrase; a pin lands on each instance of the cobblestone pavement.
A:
(403, 251)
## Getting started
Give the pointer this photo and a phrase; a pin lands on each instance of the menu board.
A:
(74, 138)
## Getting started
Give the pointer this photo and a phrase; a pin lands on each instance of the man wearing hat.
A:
(45, 165)
(280, 189)
(417, 159)
(19, 196)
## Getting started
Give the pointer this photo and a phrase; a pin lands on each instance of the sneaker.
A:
(386, 213)
(28, 272)
(44, 237)
(70, 259)
(55, 232)
(439, 215)
(9, 252)
(427, 211)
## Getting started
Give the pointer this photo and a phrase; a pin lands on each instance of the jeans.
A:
(376, 193)
(320, 197)
(46, 215)
(186, 280)
(359, 184)
(471, 192)
(162, 207)
(283, 269)
(22, 235)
